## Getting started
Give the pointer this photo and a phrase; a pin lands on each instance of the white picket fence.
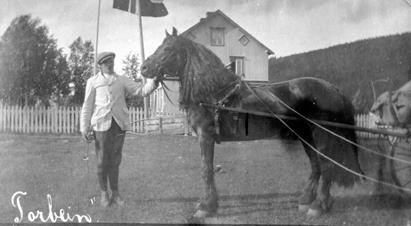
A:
(39, 120)
(365, 121)
(18, 119)
(136, 118)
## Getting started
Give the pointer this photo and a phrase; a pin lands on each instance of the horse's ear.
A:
(167, 34)
(395, 95)
(174, 31)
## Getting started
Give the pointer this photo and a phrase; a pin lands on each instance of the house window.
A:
(244, 40)
(238, 65)
(217, 36)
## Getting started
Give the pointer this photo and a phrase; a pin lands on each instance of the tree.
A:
(81, 62)
(63, 79)
(131, 66)
(29, 61)
(131, 70)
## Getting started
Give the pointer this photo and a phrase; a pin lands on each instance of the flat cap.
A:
(103, 56)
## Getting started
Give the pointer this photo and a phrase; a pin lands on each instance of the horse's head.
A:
(381, 109)
(167, 61)
(393, 108)
(201, 73)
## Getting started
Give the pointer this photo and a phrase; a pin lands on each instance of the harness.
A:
(220, 104)
(393, 110)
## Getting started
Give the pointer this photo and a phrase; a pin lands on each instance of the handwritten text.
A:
(39, 216)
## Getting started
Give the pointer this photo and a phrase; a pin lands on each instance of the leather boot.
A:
(104, 199)
(117, 199)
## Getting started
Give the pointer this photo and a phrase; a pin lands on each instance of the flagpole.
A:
(142, 56)
(98, 26)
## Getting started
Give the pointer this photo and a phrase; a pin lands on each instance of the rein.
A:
(230, 93)
(165, 92)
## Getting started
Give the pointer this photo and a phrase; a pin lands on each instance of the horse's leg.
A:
(310, 189)
(209, 204)
(323, 202)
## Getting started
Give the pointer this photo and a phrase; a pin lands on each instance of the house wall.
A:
(255, 57)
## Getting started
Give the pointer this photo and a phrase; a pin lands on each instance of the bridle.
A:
(171, 76)
(175, 75)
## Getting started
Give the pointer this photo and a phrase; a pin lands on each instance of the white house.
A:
(247, 56)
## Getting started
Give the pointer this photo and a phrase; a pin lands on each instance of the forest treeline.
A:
(352, 66)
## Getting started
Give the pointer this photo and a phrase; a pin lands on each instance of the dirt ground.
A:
(160, 179)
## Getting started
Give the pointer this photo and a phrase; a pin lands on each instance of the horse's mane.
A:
(204, 76)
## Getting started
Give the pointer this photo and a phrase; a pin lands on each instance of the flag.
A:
(152, 8)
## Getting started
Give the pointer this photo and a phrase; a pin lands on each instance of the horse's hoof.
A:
(194, 220)
(204, 209)
(314, 212)
(201, 214)
(303, 207)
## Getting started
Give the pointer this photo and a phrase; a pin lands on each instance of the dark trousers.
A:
(109, 145)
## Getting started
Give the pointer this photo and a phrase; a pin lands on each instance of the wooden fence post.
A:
(1, 117)
(160, 124)
(20, 119)
(145, 117)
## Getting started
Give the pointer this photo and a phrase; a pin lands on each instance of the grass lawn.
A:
(160, 179)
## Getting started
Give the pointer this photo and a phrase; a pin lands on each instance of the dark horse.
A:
(204, 79)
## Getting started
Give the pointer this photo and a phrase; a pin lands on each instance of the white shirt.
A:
(105, 98)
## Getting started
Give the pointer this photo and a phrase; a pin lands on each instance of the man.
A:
(105, 115)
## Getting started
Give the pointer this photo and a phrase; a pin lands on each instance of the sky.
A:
(285, 26)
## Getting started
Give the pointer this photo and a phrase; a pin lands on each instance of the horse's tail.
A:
(344, 153)
(352, 136)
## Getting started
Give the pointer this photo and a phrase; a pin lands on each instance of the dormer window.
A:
(217, 36)
(244, 40)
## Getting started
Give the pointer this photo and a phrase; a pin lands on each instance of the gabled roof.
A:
(219, 12)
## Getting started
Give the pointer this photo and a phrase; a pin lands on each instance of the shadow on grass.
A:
(260, 205)
(377, 201)
(231, 205)
(226, 197)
